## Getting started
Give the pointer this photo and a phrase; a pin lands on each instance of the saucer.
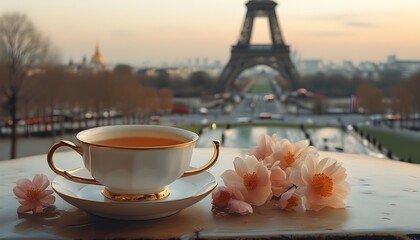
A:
(184, 193)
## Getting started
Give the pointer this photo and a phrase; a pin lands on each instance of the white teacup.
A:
(134, 162)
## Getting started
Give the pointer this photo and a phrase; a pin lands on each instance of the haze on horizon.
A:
(135, 32)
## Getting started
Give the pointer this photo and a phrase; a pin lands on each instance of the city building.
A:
(98, 59)
(405, 67)
(97, 63)
(364, 69)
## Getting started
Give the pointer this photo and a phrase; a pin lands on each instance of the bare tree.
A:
(320, 104)
(22, 48)
(371, 98)
(406, 99)
(165, 99)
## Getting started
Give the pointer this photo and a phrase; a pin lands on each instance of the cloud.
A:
(327, 33)
(360, 24)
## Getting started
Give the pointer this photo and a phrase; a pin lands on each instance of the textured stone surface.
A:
(384, 201)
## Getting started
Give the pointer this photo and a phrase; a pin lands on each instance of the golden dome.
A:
(98, 58)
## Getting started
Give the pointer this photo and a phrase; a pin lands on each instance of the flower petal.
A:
(251, 163)
(24, 184)
(38, 209)
(40, 181)
(342, 190)
(332, 168)
(301, 145)
(309, 168)
(321, 165)
(262, 174)
(231, 178)
(19, 192)
(263, 149)
(277, 175)
(334, 202)
(339, 173)
(236, 192)
(259, 196)
(283, 199)
(278, 191)
(310, 151)
(238, 206)
(221, 196)
(24, 208)
(48, 200)
(44, 193)
(296, 178)
(240, 166)
(23, 201)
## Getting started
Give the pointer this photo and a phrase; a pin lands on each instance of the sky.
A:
(137, 32)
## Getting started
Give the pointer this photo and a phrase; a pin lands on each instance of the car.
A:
(203, 111)
(265, 115)
(243, 120)
(277, 116)
(269, 97)
(155, 119)
(309, 121)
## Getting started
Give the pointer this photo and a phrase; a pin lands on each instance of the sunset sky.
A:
(139, 31)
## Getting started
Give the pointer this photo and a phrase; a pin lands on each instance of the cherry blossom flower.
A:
(279, 180)
(324, 183)
(264, 147)
(33, 195)
(250, 182)
(238, 206)
(291, 155)
(292, 201)
(223, 202)
(292, 172)
(221, 196)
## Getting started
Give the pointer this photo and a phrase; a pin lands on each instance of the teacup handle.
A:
(64, 173)
(216, 146)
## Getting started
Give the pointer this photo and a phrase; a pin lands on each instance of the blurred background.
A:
(70, 65)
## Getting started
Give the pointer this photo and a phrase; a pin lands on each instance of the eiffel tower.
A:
(245, 55)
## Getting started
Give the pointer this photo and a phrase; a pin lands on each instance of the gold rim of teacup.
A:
(189, 139)
(181, 145)
(136, 197)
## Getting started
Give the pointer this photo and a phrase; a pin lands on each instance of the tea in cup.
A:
(134, 162)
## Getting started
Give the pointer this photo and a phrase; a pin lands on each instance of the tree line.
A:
(371, 92)
(406, 97)
(196, 84)
(403, 98)
(33, 85)
(91, 92)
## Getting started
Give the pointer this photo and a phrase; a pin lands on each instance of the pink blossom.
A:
(279, 180)
(250, 181)
(292, 201)
(264, 147)
(290, 171)
(238, 206)
(324, 183)
(223, 202)
(292, 155)
(32, 195)
(221, 196)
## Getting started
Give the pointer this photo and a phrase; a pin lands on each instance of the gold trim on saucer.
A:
(136, 197)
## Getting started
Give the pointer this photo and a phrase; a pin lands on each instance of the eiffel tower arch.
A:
(245, 55)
